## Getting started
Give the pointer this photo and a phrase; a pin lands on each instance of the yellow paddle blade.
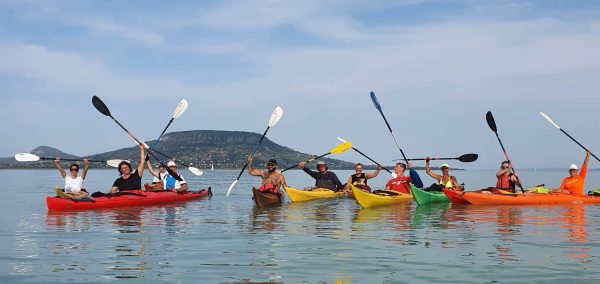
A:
(342, 148)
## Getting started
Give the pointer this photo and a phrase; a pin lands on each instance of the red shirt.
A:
(399, 184)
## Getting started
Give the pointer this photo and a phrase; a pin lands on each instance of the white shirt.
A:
(73, 184)
(162, 177)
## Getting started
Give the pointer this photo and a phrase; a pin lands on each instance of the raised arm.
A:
(86, 167)
(429, 172)
(584, 167)
(251, 170)
(60, 168)
(502, 172)
(374, 174)
(151, 170)
(140, 168)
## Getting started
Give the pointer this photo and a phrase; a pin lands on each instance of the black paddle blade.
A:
(467, 158)
(100, 106)
(490, 121)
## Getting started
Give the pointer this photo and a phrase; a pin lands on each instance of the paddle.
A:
(492, 124)
(558, 127)
(102, 108)
(193, 170)
(27, 157)
(413, 175)
(344, 147)
(179, 110)
(275, 117)
(466, 158)
(394, 175)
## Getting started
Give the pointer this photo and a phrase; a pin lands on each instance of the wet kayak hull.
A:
(368, 200)
(423, 197)
(479, 198)
(265, 199)
(297, 195)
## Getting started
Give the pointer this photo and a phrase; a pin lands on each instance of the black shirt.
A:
(134, 182)
(328, 180)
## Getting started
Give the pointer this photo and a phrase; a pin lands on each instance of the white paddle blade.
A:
(114, 163)
(342, 139)
(143, 143)
(231, 187)
(549, 120)
(195, 171)
(276, 116)
(181, 107)
(26, 157)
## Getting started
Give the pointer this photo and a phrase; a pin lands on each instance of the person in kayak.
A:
(507, 180)
(171, 183)
(73, 182)
(400, 183)
(129, 179)
(445, 180)
(359, 179)
(272, 181)
(158, 180)
(575, 183)
(323, 177)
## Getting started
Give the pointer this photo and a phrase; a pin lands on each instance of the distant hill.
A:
(200, 148)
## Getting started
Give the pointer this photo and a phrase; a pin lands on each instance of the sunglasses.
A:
(74, 170)
(271, 164)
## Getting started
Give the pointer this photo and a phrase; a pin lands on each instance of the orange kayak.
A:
(480, 198)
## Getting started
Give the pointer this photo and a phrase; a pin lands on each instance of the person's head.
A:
(272, 165)
(161, 169)
(74, 169)
(445, 168)
(504, 165)
(321, 166)
(124, 168)
(172, 166)
(358, 168)
(573, 170)
(400, 168)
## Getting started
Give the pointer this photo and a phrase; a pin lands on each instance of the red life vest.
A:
(269, 188)
(504, 182)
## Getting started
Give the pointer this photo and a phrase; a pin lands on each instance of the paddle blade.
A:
(231, 187)
(143, 143)
(549, 120)
(100, 106)
(181, 107)
(195, 171)
(490, 121)
(26, 157)
(341, 139)
(376, 102)
(394, 175)
(467, 158)
(115, 163)
(276, 116)
(342, 148)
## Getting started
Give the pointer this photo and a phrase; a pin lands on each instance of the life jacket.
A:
(269, 188)
(504, 182)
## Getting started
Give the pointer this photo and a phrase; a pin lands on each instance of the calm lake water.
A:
(227, 240)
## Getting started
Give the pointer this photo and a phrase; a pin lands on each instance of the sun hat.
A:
(171, 164)
(321, 163)
(445, 165)
(572, 167)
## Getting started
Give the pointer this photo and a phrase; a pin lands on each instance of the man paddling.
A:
(359, 179)
(272, 181)
(507, 180)
(171, 183)
(575, 183)
(400, 183)
(323, 177)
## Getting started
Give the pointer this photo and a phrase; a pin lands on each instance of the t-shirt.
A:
(576, 185)
(328, 180)
(172, 183)
(134, 182)
(162, 177)
(73, 184)
(399, 184)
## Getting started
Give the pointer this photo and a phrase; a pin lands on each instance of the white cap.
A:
(321, 163)
(572, 167)
(171, 164)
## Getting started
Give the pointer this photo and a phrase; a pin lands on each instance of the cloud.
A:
(111, 29)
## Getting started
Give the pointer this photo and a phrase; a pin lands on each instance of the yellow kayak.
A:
(297, 195)
(368, 200)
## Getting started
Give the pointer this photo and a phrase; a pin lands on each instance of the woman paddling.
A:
(507, 180)
(575, 183)
(73, 182)
(359, 179)
(445, 180)
(130, 180)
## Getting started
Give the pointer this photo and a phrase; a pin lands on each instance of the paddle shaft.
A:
(308, 161)
(168, 157)
(74, 160)
(254, 151)
(358, 151)
(162, 133)
(584, 148)
(423, 159)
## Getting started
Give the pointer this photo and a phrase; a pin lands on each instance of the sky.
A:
(436, 66)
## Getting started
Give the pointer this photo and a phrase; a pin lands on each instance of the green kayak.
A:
(427, 197)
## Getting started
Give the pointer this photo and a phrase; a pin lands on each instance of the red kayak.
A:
(528, 198)
(455, 196)
(124, 199)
